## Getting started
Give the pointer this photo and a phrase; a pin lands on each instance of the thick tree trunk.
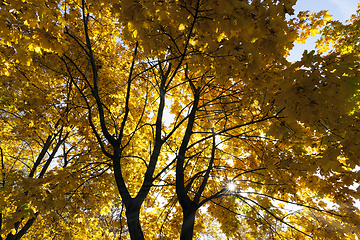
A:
(132, 215)
(187, 229)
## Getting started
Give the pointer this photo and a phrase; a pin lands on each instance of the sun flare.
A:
(231, 186)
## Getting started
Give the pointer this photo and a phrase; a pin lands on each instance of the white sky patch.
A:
(168, 118)
(150, 209)
(230, 162)
(345, 8)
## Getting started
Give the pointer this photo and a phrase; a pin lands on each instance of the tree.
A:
(249, 132)
(340, 37)
(42, 156)
(40, 152)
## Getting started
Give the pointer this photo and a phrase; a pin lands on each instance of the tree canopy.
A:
(177, 119)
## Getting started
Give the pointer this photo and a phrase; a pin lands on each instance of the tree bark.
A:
(22, 232)
(132, 215)
(189, 207)
(187, 228)
(132, 205)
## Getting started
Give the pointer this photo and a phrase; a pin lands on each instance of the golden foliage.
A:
(127, 119)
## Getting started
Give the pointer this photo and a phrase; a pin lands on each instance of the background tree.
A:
(340, 37)
(44, 164)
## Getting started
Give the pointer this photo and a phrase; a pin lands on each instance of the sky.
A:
(340, 9)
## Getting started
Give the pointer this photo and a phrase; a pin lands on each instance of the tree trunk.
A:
(132, 215)
(187, 228)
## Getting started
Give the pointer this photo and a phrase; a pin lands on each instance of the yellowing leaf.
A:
(327, 16)
(181, 27)
(135, 33)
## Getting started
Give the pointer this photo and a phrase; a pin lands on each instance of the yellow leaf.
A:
(192, 42)
(327, 16)
(135, 33)
(37, 49)
(220, 37)
(181, 27)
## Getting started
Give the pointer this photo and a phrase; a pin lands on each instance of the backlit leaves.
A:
(116, 109)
